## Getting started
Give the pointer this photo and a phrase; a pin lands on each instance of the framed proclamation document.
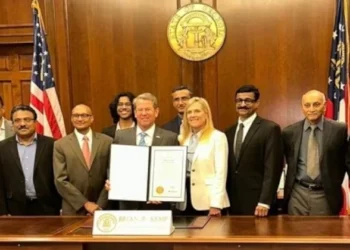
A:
(167, 179)
(139, 173)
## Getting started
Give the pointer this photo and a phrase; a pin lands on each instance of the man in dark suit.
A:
(26, 173)
(146, 133)
(255, 157)
(181, 95)
(315, 150)
(81, 161)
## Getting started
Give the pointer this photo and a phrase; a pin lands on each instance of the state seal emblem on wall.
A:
(196, 32)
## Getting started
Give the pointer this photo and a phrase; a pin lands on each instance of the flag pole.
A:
(346, 22)
(43, 95)
(35, 5)
(346, 16)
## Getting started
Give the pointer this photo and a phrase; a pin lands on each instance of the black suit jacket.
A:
(110, 131)
(173, 125)
(12, 185)
(254, 176)
(332, 160)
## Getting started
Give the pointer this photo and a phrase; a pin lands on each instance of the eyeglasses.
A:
(246, 101)
(126, 104)
(25, 120)
(83, 116)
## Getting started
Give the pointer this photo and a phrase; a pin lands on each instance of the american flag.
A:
(338, 80)
(43, 96)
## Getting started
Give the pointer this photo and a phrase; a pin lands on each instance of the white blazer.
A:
(209, 174)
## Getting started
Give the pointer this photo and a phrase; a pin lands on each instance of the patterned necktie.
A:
(142, 141)
(239, 141)
(86, 150)
(313, 160)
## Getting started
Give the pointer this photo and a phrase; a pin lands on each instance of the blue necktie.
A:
(142, 141)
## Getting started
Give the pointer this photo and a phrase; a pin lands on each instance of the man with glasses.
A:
(6, 129)
(122, 113)
(316, 151)
(81, 160)
(181, 95)
(26, 172)
(255, 157)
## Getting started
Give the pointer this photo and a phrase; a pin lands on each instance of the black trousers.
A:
(34, 208)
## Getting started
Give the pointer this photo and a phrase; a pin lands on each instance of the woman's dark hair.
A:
(113, 106)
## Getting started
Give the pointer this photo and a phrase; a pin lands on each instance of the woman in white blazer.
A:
(207, 161)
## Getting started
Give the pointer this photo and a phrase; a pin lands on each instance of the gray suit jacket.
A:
(75, 181)
(161, 137)
(8, 129)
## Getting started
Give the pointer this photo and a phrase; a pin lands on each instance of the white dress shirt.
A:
(2, 130)
(81, 136)
(247, 124)
(149, 135)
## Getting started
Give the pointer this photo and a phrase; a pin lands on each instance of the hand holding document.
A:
(147, 173)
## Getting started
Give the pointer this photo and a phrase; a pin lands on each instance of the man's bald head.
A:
(314, 106)
(82, 118)
(314, 93)
(82, 107)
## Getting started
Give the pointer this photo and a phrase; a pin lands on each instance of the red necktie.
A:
(86, 150)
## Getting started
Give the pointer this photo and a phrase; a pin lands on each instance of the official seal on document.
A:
(196, 32)
(106, 223)
(160, 190)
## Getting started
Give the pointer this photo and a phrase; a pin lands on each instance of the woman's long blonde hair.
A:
(208, 128)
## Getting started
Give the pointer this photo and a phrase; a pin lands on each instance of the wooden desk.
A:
(69, 233)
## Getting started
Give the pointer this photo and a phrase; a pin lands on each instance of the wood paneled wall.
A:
(102, 47)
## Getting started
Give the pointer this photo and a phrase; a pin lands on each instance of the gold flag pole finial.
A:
(35, 5)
